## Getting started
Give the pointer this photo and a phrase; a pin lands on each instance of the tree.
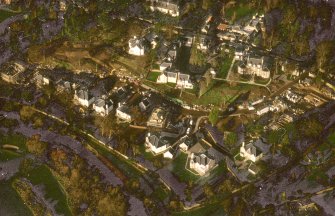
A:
(310, 127)
(137, 115)
(26, 113)
(35, 146)
(206, 4)
(208, 191)
(324, 52)
(214, 116)
(208, 77)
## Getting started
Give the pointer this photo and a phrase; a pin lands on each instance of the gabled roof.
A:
(172, 53)
(101, 103)
(255, 60)
(253, 149)
(159, 139)
(171, 74)
(135, 42)
(184, 77)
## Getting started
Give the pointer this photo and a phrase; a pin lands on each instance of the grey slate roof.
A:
(159, 139)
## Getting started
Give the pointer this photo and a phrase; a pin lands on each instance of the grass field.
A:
(10, 201)
(14, 139)
(42, 175)
(178, 168)
(5, 14)
(6, 155)
(152, 76)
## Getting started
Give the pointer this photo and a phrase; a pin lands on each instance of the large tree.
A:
(324, 53)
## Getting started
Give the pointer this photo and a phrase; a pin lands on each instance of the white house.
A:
(168, 154)
(165, 65)
(202, 163)
(203, 43)
(136, 46)
(250, 152)
(158, 142)
(181, 80)
(186, 142)
(165, 6)
(144, 104)
(123, 113)
(83, 97)
(103, 107)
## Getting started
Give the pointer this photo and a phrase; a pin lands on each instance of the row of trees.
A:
(84, 185)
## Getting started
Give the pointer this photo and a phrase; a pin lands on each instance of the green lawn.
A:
(42, 175)
(220, 169)
(240, 11)
(14, 139)
(224, 67)
(178, 168)
(331, 139)
(10, 201)
(218, 93)
(5, 14)
(152, 76)
(210, 209)
(6, 155)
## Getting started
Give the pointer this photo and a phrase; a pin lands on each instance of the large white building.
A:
(165, 6)
(250, 152)
(201, 163)
(136, 47)
(254, 66)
